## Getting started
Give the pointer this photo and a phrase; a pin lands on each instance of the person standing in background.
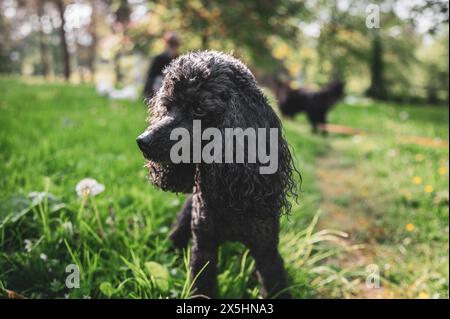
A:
(155, 76)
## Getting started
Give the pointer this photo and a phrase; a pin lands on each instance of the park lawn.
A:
(377, 199)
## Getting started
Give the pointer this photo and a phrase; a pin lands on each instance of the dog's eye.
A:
(198, 111)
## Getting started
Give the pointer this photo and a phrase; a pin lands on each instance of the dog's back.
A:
(328, 95)
(296, 101)
(315, 104)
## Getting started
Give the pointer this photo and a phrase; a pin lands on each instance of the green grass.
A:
(53, 135)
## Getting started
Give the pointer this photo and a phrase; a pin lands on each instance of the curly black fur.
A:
(229, 201)
(315, 104)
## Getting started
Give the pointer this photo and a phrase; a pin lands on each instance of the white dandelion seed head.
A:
(357, 139)
(89, 187)
(404, 115)
(392, 152)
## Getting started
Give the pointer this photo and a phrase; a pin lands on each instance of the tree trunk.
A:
(337, 72)
(43, 43)
(117, 66)
(377, 87)
(93, 47)
(122, 17)
(63, 41)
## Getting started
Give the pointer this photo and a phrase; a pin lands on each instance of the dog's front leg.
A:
(181, 229)
(204, 265)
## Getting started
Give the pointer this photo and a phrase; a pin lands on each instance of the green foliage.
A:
(243, 27)
(399, 61)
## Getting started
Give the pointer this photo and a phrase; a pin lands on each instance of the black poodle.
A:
(229, 201)
(315, 104)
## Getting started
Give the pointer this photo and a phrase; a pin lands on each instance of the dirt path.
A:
(347, 206)
(404, 139)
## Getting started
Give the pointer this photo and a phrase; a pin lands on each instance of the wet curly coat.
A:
(229, 201)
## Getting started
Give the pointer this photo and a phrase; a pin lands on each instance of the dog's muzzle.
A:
(155, 142)
(155, 146)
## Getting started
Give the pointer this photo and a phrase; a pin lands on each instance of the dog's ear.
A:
(241, 188)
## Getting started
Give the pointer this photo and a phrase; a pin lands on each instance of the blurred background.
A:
(78, 217)
(113, 40)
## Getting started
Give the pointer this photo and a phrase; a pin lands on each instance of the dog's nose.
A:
(142, 141)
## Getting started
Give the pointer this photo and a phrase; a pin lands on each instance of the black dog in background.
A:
(229, 201)
(315, 104)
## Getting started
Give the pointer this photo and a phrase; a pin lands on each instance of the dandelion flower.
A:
(428, 189)
(409, 227)
(419, 157)
(369, 146)
(442, 171)
(89, 187)
(417, 180)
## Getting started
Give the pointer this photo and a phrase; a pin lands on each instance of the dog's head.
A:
(195, 86)
(336, 89)
(221, 92)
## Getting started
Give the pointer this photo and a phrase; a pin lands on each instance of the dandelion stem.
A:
(99, 221)
(81, 209)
